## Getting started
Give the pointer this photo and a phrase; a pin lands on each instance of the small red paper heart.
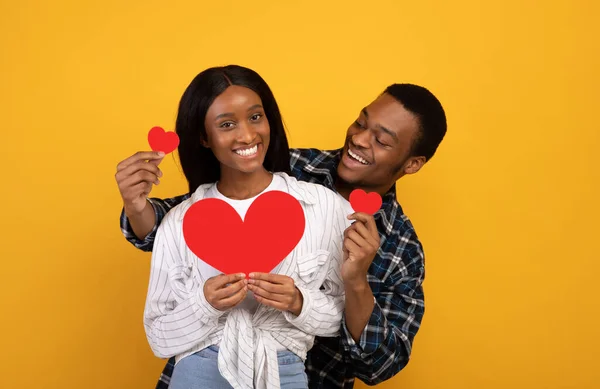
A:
(363, 202)
(273, 226)
(160, 140)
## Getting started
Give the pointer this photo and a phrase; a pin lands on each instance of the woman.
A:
(226, 330)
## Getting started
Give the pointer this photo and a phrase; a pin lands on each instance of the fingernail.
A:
(242, 275)
(157, 182)
(251, 281)
(159, 173)
(251, 275)
(160, 154)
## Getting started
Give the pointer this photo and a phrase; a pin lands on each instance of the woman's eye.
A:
(256, 116)
(226, 125)
(358, 124)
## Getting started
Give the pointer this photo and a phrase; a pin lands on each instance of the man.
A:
(383, 270)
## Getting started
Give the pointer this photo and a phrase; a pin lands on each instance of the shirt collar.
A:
(325, 165)
(299, 191)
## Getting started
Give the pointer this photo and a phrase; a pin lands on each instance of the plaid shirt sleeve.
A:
(161, 208)
(385, 344)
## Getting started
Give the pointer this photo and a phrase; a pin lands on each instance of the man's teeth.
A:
(359, 159)
(247, 152)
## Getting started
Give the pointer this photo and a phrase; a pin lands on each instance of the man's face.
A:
(378, 144)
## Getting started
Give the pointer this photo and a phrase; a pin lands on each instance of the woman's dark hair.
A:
(199, 164)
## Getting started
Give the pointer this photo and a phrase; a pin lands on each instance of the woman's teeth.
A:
(247, 152)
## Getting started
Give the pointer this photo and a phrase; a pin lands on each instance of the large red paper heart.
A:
(160, 140)
(272, 227)
(363, 202)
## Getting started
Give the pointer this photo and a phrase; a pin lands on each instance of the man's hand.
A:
(135, 177)
(225, 291)
(276, 291)
(361, 242)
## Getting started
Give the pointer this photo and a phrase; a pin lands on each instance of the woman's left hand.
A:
(276, 291)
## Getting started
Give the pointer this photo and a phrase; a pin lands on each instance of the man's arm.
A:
(378, 328)
(141, 216)
(142, 222)
(360, 303)
(142, 234)
(385, 344)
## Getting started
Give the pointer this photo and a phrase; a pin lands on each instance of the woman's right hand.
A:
(225, 291)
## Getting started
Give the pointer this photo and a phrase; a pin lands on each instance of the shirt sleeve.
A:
(385, 343)
(177, 315)
(323, 305)
(161, 208)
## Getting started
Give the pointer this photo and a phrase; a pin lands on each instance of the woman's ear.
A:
(204, 143)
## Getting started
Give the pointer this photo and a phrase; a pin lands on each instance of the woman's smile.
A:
(248, 152)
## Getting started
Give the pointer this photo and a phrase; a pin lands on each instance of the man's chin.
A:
(347, 175)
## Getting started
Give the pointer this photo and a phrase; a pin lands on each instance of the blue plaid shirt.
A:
(395, 276)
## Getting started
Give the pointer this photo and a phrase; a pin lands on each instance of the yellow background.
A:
(507, 209)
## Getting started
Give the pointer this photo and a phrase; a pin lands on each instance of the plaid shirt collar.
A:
(325, 166)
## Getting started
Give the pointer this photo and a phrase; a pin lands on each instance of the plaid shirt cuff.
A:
(371, 338)
(148, 241)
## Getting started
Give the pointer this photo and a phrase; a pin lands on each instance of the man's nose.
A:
(362, 138)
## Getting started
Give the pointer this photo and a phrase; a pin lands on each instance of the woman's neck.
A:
(237, 185)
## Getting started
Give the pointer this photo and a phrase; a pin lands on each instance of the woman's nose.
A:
(245, 133)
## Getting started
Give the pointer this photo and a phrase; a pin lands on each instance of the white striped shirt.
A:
(179, 321)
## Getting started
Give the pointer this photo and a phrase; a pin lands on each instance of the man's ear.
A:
(414, 164)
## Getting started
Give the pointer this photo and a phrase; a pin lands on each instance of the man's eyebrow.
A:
(382, 128)
(387, 131)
